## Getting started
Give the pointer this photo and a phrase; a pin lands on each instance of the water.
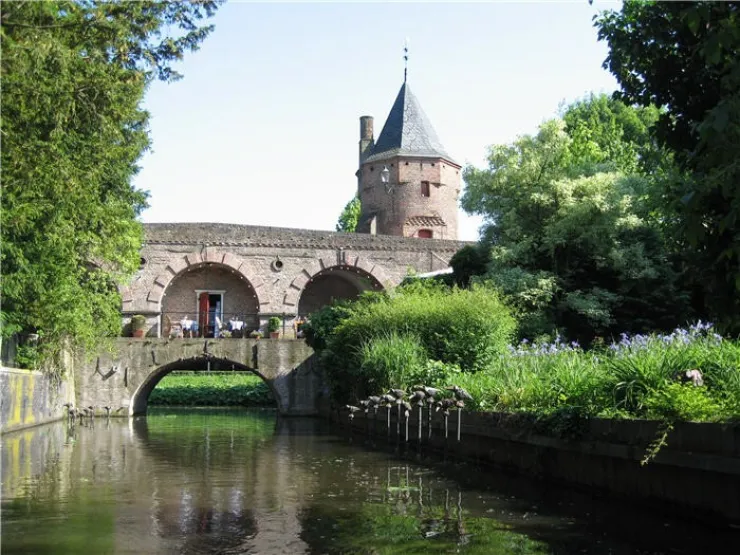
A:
(229, 482)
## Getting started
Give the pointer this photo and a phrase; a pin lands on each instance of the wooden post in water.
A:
(421, 410)
(459, 422)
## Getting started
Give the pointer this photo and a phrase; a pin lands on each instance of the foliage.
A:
(465, 328)
(350, 216)
(322, 323)
(74, 75)
(389, 360)
(683, 58)
(640, 376)
(210, 389)
(560, 384)
(574, 242)
(609, 135)
(273, 324)
(138, 322)
(469, 261)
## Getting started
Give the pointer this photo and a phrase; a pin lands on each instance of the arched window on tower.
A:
(424, 234)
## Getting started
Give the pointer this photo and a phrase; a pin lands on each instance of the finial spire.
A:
(405, 58)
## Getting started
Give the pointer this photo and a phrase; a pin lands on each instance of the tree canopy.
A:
(350, 216)
(569, 222)
(683, 58)
(74, 75)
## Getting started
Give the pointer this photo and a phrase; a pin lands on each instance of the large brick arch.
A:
(196, 259)
(345, 259)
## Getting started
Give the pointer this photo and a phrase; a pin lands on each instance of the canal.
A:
(205, 481)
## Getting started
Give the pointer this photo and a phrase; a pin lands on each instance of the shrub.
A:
(455, 326)
(390, 360)
(462, 328)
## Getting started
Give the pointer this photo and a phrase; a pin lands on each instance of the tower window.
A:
(424, 234)
(425, 191)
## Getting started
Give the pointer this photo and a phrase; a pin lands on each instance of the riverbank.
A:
(695, 467)
(30, 398)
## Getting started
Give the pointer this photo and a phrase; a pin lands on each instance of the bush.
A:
(455, 326)
(462, 328)
(390, 360)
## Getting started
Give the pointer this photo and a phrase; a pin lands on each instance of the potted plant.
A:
(138, 325)
(256, 334)
(273, 326)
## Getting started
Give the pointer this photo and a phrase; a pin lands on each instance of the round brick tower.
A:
(408, 185)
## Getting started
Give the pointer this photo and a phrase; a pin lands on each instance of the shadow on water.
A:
(220, 481)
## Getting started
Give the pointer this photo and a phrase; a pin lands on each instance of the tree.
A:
(469, 261)
(573, 238)
(74, 75)
(683, 57)
(350, 216)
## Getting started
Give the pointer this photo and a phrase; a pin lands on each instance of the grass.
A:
(210, 389)
(641, 377)
(689, 375)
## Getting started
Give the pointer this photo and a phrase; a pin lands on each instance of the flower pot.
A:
(138, 333)
(274, 335)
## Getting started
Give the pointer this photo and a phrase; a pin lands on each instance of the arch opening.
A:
(199, 366)
(337, 282)
(209, 300)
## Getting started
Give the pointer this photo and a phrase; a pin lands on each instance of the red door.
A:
(202, 314)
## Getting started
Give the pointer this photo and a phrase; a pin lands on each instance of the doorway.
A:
(210, 312)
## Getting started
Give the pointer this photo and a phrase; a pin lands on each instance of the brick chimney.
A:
(367, 141)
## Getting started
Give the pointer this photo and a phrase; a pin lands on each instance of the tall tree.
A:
(684, 57)
(569, 222)
(350, 216)
(74, 75)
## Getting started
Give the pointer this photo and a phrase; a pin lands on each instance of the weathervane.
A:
(405, 58)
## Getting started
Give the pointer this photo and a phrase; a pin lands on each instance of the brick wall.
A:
(405, 199)
(173, 265)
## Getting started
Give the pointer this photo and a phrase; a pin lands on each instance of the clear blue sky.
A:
(264, 127)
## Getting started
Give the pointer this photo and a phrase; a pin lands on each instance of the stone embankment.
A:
(29, 398)
(696, 470)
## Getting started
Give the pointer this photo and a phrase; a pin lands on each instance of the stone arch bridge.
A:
(219, 274)
(124, 378)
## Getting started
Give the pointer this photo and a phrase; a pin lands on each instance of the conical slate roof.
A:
(407, 132)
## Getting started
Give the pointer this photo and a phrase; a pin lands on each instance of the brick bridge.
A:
(202, 271)
(212, 274)
(124, 378)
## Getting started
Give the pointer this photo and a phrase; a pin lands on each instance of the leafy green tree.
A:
(350, 216)
(469, 261)
(574, 241)
(683, 57)
(74, 75)
(607, 135)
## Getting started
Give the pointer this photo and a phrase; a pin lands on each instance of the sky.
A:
(264, 127)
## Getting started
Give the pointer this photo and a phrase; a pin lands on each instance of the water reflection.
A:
(223, 482)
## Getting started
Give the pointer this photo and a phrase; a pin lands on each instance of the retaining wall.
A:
(29, 398)
(697, 471)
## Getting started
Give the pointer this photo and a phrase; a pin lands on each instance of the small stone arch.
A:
(346, 261)
(140, 399)
(195, 259)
